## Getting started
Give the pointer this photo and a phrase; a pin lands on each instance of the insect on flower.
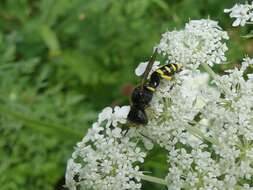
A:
(143, 94)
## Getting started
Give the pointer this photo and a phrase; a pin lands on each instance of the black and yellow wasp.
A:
(142, 94)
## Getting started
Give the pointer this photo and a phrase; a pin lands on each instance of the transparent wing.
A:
(149, 67)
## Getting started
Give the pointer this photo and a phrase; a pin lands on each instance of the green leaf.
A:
(45, 127)
(249, 35)
(50, 39)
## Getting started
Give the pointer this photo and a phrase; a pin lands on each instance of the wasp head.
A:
(138, 116)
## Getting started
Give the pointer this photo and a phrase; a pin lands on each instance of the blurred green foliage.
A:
(62, 61)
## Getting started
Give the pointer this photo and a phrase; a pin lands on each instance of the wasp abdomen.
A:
(167, 71)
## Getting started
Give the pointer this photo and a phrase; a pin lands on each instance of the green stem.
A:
(197, 133)
(44, 127)
(247, 36)
(209, 70)
(214, 76)
(153, 179)
(239, 187)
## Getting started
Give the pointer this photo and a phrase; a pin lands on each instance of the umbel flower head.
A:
(203, 121)
(202, 41)
(105, 159)
(207, 130)
(242, 13)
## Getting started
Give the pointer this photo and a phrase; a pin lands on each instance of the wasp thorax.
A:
(141, 97)
(154, 80)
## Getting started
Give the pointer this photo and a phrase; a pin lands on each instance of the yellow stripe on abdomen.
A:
(160, 71)
(166, 77)
(174, 67)
(150, 88)
(167, 69)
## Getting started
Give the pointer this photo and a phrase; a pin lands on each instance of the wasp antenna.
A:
(148, 68)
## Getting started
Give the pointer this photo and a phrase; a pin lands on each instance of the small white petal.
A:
(227, 10)
(236, 22)
(116, 132)
(141, 68)
(105, 114)
(122, 111)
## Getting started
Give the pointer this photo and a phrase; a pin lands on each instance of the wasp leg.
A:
(126, 132)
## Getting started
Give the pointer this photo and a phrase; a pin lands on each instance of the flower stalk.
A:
(153, 179)
(197, 133)
(207, 68)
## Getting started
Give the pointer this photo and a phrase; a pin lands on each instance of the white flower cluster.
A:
(207, 130)
(202, 41)
(113, 117)
(105, 159)
(242, 13)
(204, 122)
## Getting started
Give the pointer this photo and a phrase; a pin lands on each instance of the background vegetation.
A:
(62, 61)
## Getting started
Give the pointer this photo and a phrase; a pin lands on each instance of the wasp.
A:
(143, 94)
